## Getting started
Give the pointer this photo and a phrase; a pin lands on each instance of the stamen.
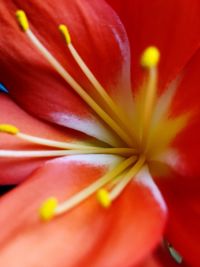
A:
(77, 88)
(71, 147)
(58, 153)
(116, 111)
(11, 129)
(149, 60)
(94, 187)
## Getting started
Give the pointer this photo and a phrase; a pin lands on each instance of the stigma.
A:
(145, 136)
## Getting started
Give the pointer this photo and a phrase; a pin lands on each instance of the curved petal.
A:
(173, 26)
(183, 200)
(16, 170)
(99, 38)
(85, 236)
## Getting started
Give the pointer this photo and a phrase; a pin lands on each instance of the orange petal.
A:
(88, 235)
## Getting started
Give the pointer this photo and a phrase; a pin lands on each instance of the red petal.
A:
(173, 26)
(16, 170)
(183, 232)
(96, 33)
(86, 236)
(187, 100)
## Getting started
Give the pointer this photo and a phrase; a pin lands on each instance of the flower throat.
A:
(141, 143)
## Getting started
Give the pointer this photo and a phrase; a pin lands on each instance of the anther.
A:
(22, 20)
(103, 198)
(150, 57)
(48, 208)
(9, 129)
(65, 33)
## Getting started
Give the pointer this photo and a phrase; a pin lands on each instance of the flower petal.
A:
(16, 170)
(187, 101)
(98, 36)
(173, 26)
(85, 236)
(183, 200)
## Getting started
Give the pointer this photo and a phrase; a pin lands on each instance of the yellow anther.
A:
(104, 198)
(47, 209)
(65, 33)
(10, 129)
(22, 20)
(150, 57)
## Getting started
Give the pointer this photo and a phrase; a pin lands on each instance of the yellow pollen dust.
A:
(9, 129)
(65, 33)
(22, 20)
(103, 198)
(47, 209)
(150, 57)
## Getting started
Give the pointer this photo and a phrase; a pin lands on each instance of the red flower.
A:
(156, 134)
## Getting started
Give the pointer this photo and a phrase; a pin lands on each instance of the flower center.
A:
(143, 142)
